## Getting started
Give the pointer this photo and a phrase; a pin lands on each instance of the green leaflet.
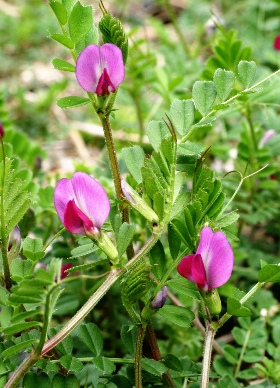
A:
(80, 22)
(246, 72)
(204, 95)
(224, 82)
(72, 102)
(60, 64)
(33, 249)
(17, 199)
(124, 237)
(157, 176)
(91, 337)
(59, 11)
(134, 160)
(182, 115)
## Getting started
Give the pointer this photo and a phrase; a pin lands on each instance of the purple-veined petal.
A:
(93, 60)
(91, 198)
(217, 256)
(63, 193)
(75, 220)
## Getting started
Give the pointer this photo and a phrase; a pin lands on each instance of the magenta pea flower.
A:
(276, 43)
(63, 271)
(81, 204)
(100, 69)
(211, 266)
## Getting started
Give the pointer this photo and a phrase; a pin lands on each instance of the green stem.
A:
(239, 186)
(138, 355)
(242, 354)
(48, 243)
(177, 28)
(252, 129)
(112, 154)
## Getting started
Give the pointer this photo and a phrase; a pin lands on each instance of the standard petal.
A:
(91, 198)
(112, 60)
(206, 236)
(217, 256)
(88, 68)
(75, 219)
(63, 193)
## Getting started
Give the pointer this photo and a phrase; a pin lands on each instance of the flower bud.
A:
(2, 133)
(138, 203)
(159, 299)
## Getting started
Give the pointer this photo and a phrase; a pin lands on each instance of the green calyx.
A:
(212, 301)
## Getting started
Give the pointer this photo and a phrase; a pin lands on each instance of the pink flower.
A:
(81, 204)
(276, 43)
(64, 272)
(100, 70)
(2, 133)
(267, 135)
(211, 266)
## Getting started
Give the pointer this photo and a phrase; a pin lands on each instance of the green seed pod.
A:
(113, 32)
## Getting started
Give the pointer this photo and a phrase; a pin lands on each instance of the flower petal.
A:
(112, 60)
(185, 267)
(75, 220)
(105, 85)
(192, 268)
(63, 193)
(88, 68)
(199, 273)
(63, 271)
(91, 198)
(217, 256)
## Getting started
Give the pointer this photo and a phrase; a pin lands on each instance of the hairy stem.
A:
(138, 355)
(112, 154)
(206, 362)
(156, 354)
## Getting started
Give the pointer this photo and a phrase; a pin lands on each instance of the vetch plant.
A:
(170, 213)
